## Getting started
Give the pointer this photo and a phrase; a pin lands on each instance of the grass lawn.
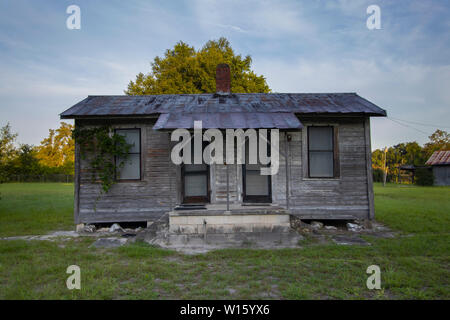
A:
(414, 265)
(35, 208)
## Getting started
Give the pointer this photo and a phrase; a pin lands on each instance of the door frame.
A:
(254, 198)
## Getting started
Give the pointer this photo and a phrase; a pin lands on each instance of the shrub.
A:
(377, 175)
(424, 177)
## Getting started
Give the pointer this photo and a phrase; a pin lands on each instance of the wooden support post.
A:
(169, 170)
(228, 187)
(286, 157)
(371, 214)
(76, 204)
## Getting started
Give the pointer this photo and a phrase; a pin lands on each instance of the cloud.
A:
(234, 28)
(405, 90)
(257, 18)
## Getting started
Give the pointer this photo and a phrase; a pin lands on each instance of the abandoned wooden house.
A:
(325, 169)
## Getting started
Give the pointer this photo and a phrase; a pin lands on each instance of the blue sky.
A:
(300, 46)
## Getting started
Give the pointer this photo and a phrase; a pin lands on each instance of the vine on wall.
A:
(107, 151)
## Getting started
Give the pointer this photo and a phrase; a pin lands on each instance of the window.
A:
(321, 152)
(131, 169)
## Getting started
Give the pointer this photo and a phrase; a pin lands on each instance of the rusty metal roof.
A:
(439, 158)
(302, 103)
(229, 120)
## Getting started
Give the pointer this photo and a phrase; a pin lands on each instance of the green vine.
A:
(103, 146)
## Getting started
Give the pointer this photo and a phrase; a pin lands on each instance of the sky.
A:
(299, 46)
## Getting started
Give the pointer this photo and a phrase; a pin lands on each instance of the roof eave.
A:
(344, 114)
(111, 116)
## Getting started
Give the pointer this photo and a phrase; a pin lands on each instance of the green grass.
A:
(35, 208)
(414, 265)
(412, 208)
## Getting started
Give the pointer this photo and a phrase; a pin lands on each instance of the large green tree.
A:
(439, 140)
(58, 149)
(186, 70)
(26, 162)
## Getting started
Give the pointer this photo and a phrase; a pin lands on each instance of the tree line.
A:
(54, 155)
(407, 154)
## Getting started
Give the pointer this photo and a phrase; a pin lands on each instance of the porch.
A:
(220, 218)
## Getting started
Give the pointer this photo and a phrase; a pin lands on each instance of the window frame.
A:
(117, 179)
(334, 151)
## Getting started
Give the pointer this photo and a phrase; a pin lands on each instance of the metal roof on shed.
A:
(439, 158)
(302, 103)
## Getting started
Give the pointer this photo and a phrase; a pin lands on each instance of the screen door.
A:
(257, 187)
(195, 183)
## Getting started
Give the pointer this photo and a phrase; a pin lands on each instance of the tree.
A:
(58, 149)
(7, 149)
(414, 154)
(185, 70)
(424, 177)
(439, 140)
(26, 162)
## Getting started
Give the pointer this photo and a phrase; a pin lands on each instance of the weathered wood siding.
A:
(142, 200)
(219, 183)
(347, 196)
(441, 175)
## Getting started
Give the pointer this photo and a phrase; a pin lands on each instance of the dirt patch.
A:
(349, 240)
(173, 259)
(316, 229)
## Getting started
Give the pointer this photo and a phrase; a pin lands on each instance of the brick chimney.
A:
(223, 79)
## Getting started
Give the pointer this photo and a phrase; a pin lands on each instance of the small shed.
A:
(440, 162)
(406, 173)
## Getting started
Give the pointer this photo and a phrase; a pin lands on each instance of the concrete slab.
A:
(51, 236)
(196, 243)
(228, 223)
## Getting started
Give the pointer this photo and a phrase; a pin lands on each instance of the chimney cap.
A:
(223, 79)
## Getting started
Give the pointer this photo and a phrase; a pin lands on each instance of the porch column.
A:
(170, 173)
(286, 158)
(228, 187)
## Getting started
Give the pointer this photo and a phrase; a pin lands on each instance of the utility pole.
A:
(384, 167)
